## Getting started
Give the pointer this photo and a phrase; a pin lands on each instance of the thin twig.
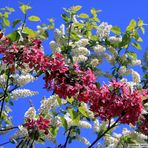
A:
(109, 128)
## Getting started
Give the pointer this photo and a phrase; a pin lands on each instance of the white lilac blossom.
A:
(136, 77)
(103, 30)
(122, 70)
(54, 47)
(114, 39)
(80, 58)
(99, 48)
(82, 42)
(30, 113)
(96, 125)
(83, 140)
(62, 29)
(23, 79)
(136, 62)
(21, 93)
(49, 104)
(3, 79)
(80, 51)
(94, 62)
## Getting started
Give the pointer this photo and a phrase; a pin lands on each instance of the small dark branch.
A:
(67, 138)
(2, 144)
(32, 144)
(7, 129)
(108, 129)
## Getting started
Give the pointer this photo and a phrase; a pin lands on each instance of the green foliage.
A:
(131, 26)
(34, 18)
(116, 30)
(24, 8)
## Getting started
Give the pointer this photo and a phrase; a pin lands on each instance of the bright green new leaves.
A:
(15, 22)
(34, 18)
(83, 15)
(24, 8)
(132, 55)
(74, 116)
(116, 30)
(30, 32)
(137, 45)
(14, 36)
(64, 122)
(83, 111)
(6, 22)
(131, 26)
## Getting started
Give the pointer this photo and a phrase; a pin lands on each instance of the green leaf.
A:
(64, 122)
(24, 8)
(137, 45)
(34, 18)
(70, 100)
(59, 100)
(15, 22)
(131, 26)
(74, 116)
(14, 36)
(133, 55)
(142, 29)
(140, 22)
(6, 22)
(54, 130)
(30, 32)
(65, 17)
(116, 30)
(82, 111)
(83, 15)
(10, 9)
(76, 8)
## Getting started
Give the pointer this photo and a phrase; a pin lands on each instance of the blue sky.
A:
(115, 12)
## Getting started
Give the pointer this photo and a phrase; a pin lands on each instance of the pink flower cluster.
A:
(69, 81)
(108, 101)
(30, 54)
(41, 124)
(117, 100)
(143, 127)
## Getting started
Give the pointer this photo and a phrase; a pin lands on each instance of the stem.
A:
(7, 129)
(109, 128)
(67, 138)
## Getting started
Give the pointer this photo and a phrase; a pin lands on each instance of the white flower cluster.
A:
(136, 77)
(23, 79)
(82, 42)
(21, 93)
(56, 44)
(94, 62)
(99, 48)
(114, 39)
(3, 79)
(30, 113)
(80, 51)
(96, 125)
(49, 104)
(104, 30)
(136, 62)
(83, 140)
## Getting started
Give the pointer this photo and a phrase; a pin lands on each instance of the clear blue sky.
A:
(115, 12)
